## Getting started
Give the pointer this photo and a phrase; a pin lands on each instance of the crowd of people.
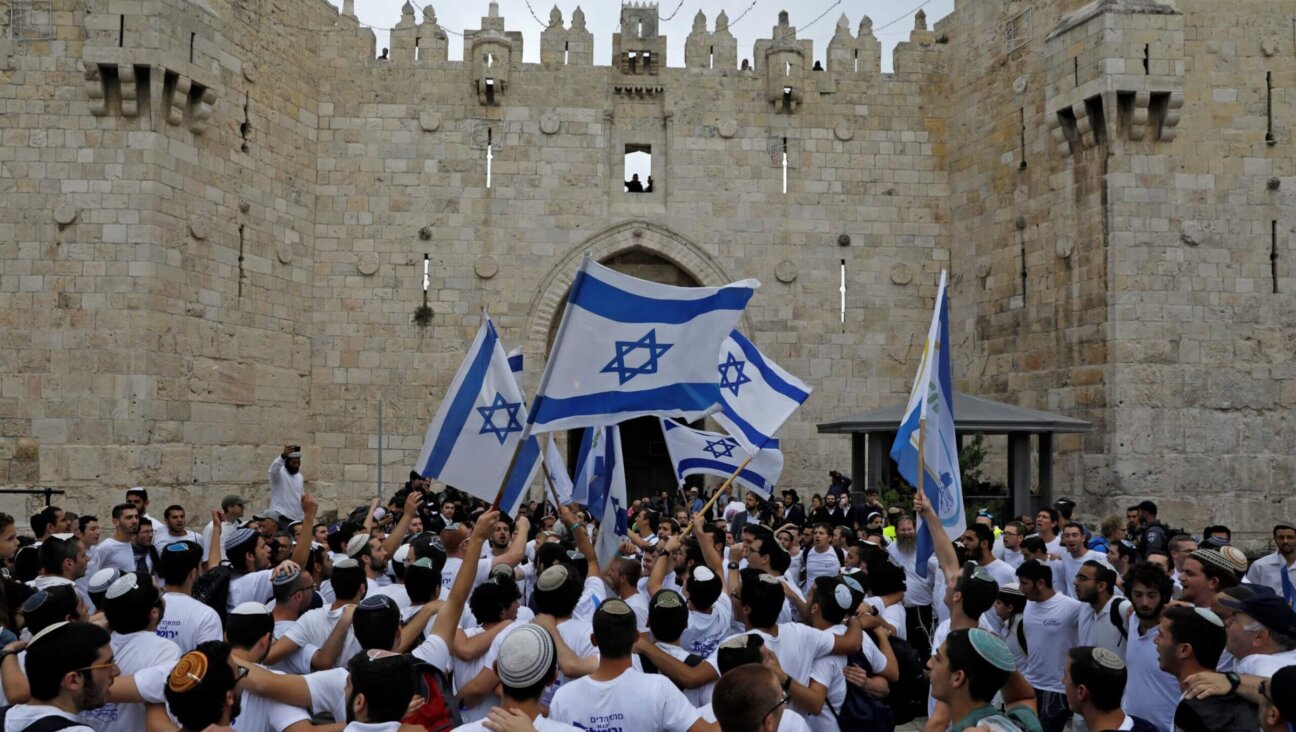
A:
(433, 611)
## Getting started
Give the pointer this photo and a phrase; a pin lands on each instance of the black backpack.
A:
(908, 697)
(841, 562)
(52, 723)
(860, 710)
(212, 589)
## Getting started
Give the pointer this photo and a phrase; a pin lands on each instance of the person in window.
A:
(633, 185)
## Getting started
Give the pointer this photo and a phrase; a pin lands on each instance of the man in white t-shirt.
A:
(557, 593)
(749, 697)
(1095, 681)
(978, 541)
(115, 551)
(821, 559)
(133, 607)
(831, 601)
(1102, 619)
(287, 483)
(621, 576)
(70, 667)
(249, 557)
(526, 665)
(185, 621)
(1270, 569)
(1074, 554)
(1052, 626)
(232, 508)
(174, 529)
(748, 650)
(1008, 545)
(617, 695)
(1046, 525)
(1150, 692)
(314, 628)
(139, 498)
(64, 562)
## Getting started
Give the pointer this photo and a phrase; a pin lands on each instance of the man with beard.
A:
(832, 514)
(205, 688)
(1190, 641)
(918, 590)
(115, 552)
(1277, 571)
(142, 547)
(139, 498)
(1151, 693)
(175, 529)
(793, 513)
(750, 514)
(286, 483)
(70, 667)
(978, 541)
(1075, 554)
(1103, 624)
(1152, 534)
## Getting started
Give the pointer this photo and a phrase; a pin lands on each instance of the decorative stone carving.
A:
(901, 274)
(1020, 84)
(1065, 247)
(367, 264)
(429, 121)
(486, 267)
(843, 131)
(786, 272)
(550, 124)
(198, 227)
(65, 213)
(250, 71)
(727, 128)
(284, 253)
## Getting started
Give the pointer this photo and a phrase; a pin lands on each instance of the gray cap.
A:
(236, 537)
(525, 657)
(232, 500)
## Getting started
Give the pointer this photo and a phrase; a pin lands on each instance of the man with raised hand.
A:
(249, 556)
(287, 484)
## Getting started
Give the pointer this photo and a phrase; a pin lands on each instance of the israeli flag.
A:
(528, 462)
(695, 452)
(595, 466)
(614, 523)
(476, 430)
(557, 472)
(627, 348)
(757, 394)
(932, 399)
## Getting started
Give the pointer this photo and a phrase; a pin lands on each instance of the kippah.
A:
(501, 570)
(991, 648)
(62, 536)
(401, 554)
(1210, 616)
(667, 599)
(703, 574)
(286, 578)
(250, 608)
(575, 555)
(357, 545)
(347, 563)
(375, 602)
(236, 537)
(189, 672)
(1235, 557)
(1107, 659)
(1214, 558)
(769, 579)
(1012, 588)
(525, 656)
(742, 640)
(853, 583)
(423, 563)
(122, 585)
(136, 489)
(552, 578)
(294, 454)
(48, 630)
(99, 581)
(35, 601)
(615, 607)
(842, 595)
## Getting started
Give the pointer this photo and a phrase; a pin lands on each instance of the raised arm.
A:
(942, 545)
(516, 551)
(682, 674)
(399, 532)
(448, 619)
(583, 543)
(710, 554)
(661, 565)
(214, 551)
(327, 655)
(301, 552)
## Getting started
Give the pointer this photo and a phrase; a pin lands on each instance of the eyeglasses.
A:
(787, 699)
(110, 663)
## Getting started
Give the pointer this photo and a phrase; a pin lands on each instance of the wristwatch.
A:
(787, 683)
(733, 565)
(1234, 681)
(1264, 683)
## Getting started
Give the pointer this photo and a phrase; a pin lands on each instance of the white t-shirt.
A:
(111, 553)
(592, 595)
(258, 713)
(433, 650)
(702, 694)
(706, 630)
(1052, 630)
(893, 614)
(299, 661)
(451, 570)
(1003, 572)
(286, 493)
(917, 589)
(164, 537)
(314, 628)
(541, 723)
(22, 716)
(1013, 558)
(1096, 628)
(830, 671)
(796, 647)
(134, 652)
(789, 722)
(466, 671)
(577, 634)
(328, 691)
(789, 612)
(1071, 565)
(396, 592)
(1150, 692)
(632, 701)
(1263, 664)
(250, 587)
(187, 622)
(639, 604)
(818, 564)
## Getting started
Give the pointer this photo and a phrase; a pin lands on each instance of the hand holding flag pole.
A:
(716, 496)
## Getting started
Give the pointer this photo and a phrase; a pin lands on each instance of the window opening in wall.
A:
(647, 61)
(490, 91)
(638, 169)
(857, 60)
(787, 99)
(633, 58)
(417, 50)
(785, 165)
(711, 58)
(192, 38)
(1125, 108)
(490, 149)
(242, 239)
(566, 52)
(1158, 108)
(1269, 133)
(641, 35)
(1097, 120)
(427, 272)
(842, 290)
(1022, 113)
(787, 68)
(1273, 254)
(1070, 128)
(121, 31)
(1147, 59)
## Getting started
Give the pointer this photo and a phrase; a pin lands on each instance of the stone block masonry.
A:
(215, 216)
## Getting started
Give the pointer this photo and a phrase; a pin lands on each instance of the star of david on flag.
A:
(471, 439)
(694, 452)
(627, 348)
(613, 526)
(757, 395)
(932, 399)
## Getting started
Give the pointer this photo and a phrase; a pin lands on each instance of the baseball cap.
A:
(267, 514)
(232, 500)
(1271, 611)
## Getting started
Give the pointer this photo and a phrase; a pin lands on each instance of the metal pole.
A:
(380, 449)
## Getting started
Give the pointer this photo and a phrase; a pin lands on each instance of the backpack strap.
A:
(1117, 619)
(841, 556)
(1021, 634)
(52, 723)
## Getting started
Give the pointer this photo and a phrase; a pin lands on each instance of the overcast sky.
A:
(601, 18)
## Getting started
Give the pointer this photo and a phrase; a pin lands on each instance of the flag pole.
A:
(922, 468)
(715, 496)
(544, 468)
(577, 281)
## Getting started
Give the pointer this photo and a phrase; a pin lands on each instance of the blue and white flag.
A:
(596, 465)
(695, 452)
(758, 395)
(627, 348)
(932, 399)
(473, 436)
(557, 472)
(614, 522)
(528, 462)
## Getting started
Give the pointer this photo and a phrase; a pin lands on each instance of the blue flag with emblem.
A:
(528, 462)
(932, 399)
(614, 521)
(694, 452)
(628, 348)
(476, 430)
(594, 468)
(757, 394)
